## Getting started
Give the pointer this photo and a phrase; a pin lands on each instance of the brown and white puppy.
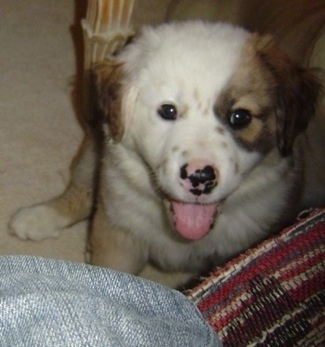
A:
(200, 158)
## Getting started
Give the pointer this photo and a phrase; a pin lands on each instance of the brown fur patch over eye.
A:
(251, 88)
(279, 95)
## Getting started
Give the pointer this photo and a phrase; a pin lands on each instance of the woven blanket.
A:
(274, 294)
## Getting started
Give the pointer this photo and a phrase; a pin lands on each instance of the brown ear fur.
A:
(297, 91)
(107, 81)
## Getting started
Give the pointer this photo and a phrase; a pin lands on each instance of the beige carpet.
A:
(39, 131)
(39, 128)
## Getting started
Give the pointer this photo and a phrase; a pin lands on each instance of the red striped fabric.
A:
(272, 295)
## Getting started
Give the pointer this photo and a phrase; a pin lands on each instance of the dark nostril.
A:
(183, 172)
(209, 173)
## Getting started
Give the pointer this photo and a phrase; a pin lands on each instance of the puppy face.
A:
(201, 105)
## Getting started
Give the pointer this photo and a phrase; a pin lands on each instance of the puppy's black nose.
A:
(202, 178)
(199, 175)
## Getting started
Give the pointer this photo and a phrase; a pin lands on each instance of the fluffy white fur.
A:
(191, 66)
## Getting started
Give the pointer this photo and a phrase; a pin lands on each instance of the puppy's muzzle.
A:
(199, 177)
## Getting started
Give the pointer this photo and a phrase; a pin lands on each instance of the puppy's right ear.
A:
(107, 81)
(297, 92)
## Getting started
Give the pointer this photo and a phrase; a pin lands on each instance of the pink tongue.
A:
(193, 221)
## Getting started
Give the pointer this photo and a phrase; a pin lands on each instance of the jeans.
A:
(47, 302)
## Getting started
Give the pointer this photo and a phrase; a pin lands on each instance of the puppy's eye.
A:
(167, 112)
(239, 119)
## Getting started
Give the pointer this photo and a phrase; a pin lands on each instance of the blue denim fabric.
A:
(47, 302)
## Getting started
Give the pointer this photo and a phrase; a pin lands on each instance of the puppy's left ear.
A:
(297, 91)
(112, 96)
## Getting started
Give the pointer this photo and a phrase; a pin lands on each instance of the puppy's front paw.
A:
(36, 223)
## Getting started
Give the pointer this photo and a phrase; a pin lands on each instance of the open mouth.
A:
(191, 220)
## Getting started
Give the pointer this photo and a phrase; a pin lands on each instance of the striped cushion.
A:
(274, 294)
